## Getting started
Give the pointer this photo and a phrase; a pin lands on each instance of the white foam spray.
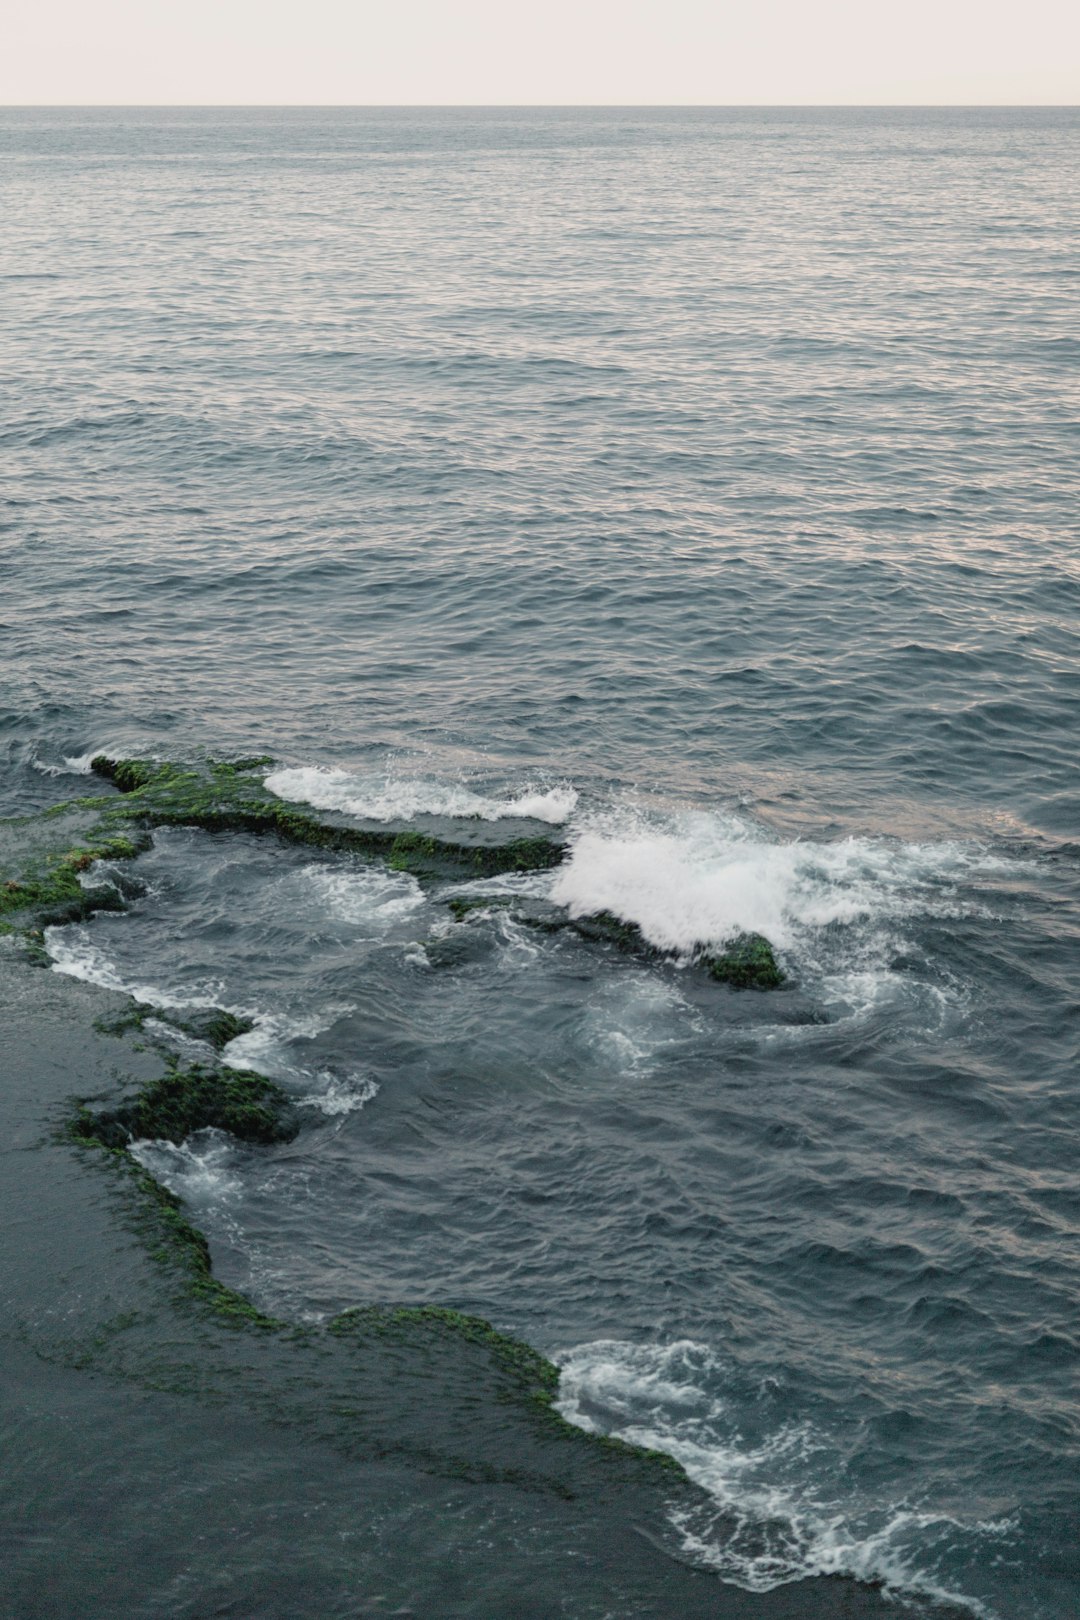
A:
(393, 798)
(700, 878)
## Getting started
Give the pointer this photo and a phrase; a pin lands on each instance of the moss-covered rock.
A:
(49, 889)
(198, 1097)
(232, 797)
(748, 963)
(612, 930)
(213, 1025)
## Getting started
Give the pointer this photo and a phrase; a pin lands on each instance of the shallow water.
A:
(702, 484)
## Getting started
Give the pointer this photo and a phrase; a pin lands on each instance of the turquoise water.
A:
(701, 483)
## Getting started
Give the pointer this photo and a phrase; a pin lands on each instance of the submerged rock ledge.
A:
(256, 1110)
(225, 796)
(746, 962)
(416, 1392)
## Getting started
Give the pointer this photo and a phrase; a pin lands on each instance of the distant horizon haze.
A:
(595, 53)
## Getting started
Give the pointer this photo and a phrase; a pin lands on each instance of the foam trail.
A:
(71, 765)
(370, 898)
(780, 1515)
(79, 764)
(389, 798)
(74, 953)
(263, 1048)
(199, 1169)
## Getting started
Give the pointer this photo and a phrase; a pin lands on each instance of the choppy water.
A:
(705, 484)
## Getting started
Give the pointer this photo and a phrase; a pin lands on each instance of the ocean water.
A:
(703, 484)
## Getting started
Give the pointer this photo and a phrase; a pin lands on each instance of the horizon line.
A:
(538, 106)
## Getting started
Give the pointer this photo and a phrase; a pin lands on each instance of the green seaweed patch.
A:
(747, 963)
(215, 1026)
(529, 1373)
(129, 774)
(426, 856)
(605, 926)
(223, 797)
(249, 762)
(130, 1019)
(198, 1097)
(526, 1366)
(49, 889)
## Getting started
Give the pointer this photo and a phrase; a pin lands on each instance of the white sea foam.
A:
(79, 764)
(369, 897)
(199, 1169)
(335, 1095)
(774, 1518)
(702, 878)
(633, 1025)
(70, 765)
(392, 798)
(74, 953)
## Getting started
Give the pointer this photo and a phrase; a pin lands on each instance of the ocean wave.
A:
(70, 764)
(390, 798)
(266, 1049)
(700, 878)
(780, 1514)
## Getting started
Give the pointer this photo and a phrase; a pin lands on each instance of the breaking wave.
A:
(388, 798)
(702, 877)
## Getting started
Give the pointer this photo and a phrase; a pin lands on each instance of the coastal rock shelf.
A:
(747, 962)
(229, 796)
(429, 1395)
(46, 886)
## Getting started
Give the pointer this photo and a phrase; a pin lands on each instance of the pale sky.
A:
(386, 52)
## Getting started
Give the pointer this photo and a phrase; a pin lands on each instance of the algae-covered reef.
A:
(198, 1097)
(220, 796)
(231, 797)
(257, 1111)
(748, 961)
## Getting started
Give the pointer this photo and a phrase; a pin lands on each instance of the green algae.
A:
(198, 1097)
(538, 1377)
(214, 1026)
(182, 1100)
(48, 889)
(230, 795)
(530, 1375)
(176, 1244)
(606, 927)
(170, 1238)
(226, 796)
(747, 963)
(223, 796)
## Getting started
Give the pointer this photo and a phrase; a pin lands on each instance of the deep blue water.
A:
(705, 483)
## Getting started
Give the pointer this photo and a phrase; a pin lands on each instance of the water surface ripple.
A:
(703, 483)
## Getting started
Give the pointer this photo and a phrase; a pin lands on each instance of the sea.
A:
(701, 485)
